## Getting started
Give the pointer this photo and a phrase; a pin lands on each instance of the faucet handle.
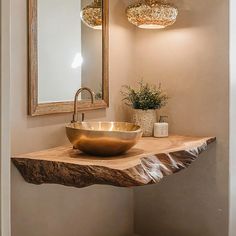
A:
(83, 116)
(75, 118)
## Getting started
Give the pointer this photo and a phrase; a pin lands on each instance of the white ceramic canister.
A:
(161, 129)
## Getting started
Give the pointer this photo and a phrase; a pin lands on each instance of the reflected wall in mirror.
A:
(68, 49)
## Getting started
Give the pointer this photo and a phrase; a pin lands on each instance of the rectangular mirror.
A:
(68, 49)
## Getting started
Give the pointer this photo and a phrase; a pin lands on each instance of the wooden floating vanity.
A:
(147, 163)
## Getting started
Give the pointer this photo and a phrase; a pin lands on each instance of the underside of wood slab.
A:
(147, 163)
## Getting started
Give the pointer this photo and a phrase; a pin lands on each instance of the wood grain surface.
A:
(147, 163)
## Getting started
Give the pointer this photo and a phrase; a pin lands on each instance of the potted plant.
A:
(144, 101)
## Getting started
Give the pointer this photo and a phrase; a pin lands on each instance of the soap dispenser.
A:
(161, 129)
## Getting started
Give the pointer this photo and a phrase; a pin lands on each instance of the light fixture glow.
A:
(77, 62)
(151, 14)
(91, 15)
(151, 26)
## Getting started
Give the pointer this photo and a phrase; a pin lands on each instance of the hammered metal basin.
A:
(103, 138)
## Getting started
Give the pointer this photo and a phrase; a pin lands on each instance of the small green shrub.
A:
(144, 97)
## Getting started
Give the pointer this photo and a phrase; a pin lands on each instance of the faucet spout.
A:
(75, 114)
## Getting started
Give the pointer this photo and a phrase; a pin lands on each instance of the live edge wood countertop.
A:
(147, 163)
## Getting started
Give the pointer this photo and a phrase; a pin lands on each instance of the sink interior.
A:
(105, 126)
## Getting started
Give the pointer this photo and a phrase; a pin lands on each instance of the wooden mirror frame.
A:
(36, 109)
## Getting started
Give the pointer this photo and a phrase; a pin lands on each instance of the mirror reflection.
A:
(69, 49)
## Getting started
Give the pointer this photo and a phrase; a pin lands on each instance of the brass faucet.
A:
(75, 115)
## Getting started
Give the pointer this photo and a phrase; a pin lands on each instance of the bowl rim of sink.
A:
(72, 126)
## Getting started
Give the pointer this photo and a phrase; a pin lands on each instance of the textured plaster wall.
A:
(191, 61)
(232, 118)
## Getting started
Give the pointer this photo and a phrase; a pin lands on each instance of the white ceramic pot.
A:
(145, 119)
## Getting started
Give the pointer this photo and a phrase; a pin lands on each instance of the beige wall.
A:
(56, 210)
(191, 60)
(232, 118)
(5, 227)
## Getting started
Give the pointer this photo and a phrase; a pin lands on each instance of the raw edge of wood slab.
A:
(151, 169)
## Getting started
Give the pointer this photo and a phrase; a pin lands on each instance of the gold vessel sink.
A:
(103, 138)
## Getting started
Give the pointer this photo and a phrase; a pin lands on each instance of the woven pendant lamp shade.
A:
(91, 15)
(151, 14)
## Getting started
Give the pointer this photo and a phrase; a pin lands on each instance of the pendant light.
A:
(91, 15)
(152, 14)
